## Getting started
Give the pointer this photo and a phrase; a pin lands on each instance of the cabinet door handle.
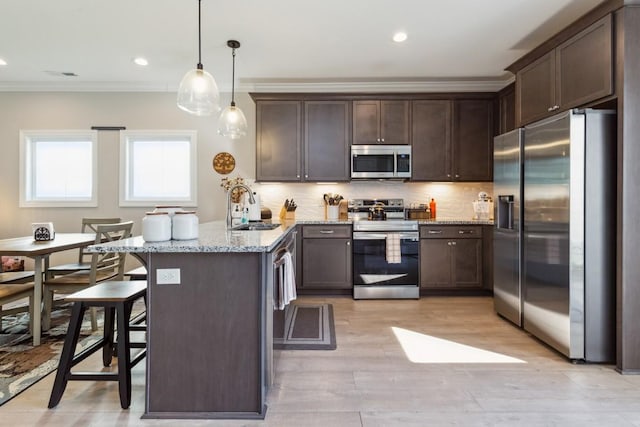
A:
(434, 232)
(453, 243)
(457, 176)
(465, 231)
(448, 243)
(382, 139)
(448, 175)
(306, 176)
(326, 231)
(348, 242)
(555, 107)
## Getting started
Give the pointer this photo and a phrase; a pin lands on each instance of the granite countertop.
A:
(214, 237)
(444, 221)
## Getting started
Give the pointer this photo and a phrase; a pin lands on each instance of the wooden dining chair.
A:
(15, 286)
(104, 266)
(89, 225)
(14, 292)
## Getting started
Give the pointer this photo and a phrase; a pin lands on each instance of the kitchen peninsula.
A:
(209, 315)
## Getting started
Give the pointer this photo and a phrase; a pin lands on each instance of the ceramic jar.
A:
(185, 225)
(156, 227)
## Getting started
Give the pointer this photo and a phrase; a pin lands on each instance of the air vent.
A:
(61, 73)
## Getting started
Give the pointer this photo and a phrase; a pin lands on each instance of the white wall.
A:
(81, 110)
(55, 110)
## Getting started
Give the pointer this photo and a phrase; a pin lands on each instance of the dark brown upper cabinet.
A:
(452, 140)
(381, 122)
(507, 108)
(278, 140)
(577, 72)
(327, 127)
(472, 139)
(431, 140)
(289, 149)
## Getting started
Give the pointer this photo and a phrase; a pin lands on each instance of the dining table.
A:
(40, 252)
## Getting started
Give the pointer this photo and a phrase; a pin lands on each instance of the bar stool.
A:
(117, 298)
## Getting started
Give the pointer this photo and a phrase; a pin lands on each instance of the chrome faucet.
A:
(252, 200)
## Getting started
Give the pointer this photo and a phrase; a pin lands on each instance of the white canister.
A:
(185, 225)
(156, 227)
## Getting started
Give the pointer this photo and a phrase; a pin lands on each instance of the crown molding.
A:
(318, 86)
(435, 85)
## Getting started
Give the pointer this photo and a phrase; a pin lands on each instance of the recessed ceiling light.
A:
(141, 61)
(3, 62)
(399, 37)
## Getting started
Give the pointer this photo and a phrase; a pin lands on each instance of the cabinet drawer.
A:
(326, 231)
(450, 232)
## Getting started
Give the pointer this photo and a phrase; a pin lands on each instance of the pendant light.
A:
(232, 122)
(198, 93)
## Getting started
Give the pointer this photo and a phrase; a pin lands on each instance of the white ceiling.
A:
(286, 44)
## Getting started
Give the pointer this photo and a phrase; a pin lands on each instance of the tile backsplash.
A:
(454, 200)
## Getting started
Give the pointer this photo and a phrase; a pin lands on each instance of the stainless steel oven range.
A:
(385, 252)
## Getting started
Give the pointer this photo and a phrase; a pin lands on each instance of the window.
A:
(58, 168)
(158, 167)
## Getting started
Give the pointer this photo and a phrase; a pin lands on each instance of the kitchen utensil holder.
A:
(333, 212)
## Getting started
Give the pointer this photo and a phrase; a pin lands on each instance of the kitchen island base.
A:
(207, 336)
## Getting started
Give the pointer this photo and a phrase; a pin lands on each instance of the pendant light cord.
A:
(233, 77)
(199, 36)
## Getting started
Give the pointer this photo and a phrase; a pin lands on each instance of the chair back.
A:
(110, 262)
(90, 225)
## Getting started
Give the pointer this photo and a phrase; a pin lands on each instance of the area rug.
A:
(308, 327)
(22, 364)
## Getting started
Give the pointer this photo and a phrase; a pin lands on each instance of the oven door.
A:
(372, 270)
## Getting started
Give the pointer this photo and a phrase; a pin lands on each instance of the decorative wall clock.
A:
(224, 163)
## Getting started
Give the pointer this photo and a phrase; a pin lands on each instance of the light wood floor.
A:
(433, 362)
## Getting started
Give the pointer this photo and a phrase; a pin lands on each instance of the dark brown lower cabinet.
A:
(451, 257)
(326, 257)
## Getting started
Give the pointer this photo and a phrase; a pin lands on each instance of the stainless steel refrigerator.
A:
(507, 192)
(569, 208)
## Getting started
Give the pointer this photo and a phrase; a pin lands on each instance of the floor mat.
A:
(307, 327)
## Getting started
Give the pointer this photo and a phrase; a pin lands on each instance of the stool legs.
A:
(119, 313)
(107, 350)
(66, 359)
(124, 357)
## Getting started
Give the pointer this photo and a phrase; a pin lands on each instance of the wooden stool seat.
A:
(139, 273)
(117, 298)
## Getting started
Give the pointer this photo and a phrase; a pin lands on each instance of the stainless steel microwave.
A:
(381, 161)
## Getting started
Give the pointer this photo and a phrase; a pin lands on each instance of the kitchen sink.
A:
(252, 226)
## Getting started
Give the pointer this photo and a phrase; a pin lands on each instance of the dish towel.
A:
(286, 282)
(393, 249)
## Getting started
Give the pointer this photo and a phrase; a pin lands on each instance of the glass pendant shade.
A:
(232, 123)
(198, 93)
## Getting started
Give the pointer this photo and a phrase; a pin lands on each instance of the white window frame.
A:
(28, 172)
(126, 185)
